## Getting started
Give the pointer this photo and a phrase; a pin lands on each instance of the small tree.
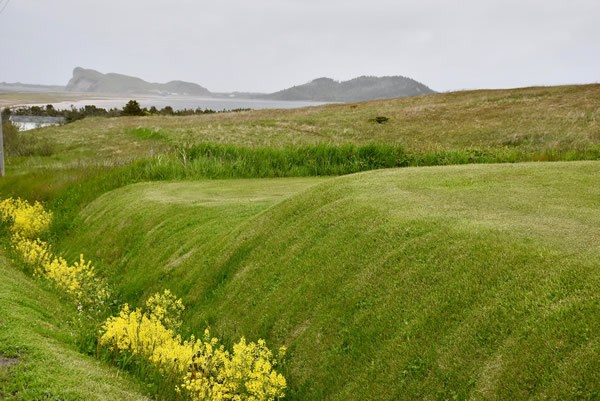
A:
(168, 110)
(132, 108)
(51, 111)
(6, 113)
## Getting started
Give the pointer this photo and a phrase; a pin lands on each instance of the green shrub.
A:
(18, 143)
(132, 108)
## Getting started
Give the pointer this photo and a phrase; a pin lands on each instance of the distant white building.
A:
(25, 123)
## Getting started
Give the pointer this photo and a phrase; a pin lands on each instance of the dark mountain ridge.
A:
(357, 89)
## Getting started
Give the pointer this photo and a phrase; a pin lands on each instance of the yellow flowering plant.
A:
(28, 221)
(166, 308)
(245, 374)
(206, 371)
(34, 252)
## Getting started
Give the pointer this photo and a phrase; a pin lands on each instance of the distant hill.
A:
(320, 89)
(357, 89)
(86, 80)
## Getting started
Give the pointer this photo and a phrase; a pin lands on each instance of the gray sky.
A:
(267, 45)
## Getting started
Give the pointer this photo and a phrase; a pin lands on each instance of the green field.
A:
(474, 282)
(447, 282)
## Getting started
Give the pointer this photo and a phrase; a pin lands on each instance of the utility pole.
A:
(1, 147)
(1, 136)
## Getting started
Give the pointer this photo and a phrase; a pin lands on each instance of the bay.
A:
(185, 102)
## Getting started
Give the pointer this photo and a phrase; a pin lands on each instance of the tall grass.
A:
(225, 161)
(232, 161)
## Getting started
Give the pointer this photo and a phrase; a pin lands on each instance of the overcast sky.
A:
(267, 45)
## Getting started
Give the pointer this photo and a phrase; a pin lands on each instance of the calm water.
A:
(187, 102)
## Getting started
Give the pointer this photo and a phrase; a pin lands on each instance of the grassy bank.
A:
(465, 282)
(39, 359)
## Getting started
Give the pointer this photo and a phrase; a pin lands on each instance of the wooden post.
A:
(1, 147)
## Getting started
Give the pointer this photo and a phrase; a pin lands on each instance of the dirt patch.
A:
(8, 361)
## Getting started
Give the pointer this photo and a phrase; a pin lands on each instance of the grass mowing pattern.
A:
(225, 204)
(37, 331)
(465, 282)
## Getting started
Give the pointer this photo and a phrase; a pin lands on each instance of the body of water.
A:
(185, 102)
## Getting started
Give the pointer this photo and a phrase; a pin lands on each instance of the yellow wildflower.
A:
(207, 370)
(78, 280)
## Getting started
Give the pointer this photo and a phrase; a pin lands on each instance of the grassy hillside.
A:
(38, 357)
(530, 119)
(191, 215)
(458, 282)
(461, 282)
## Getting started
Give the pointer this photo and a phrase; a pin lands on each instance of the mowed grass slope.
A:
(38, 356)
(459, 282)
(146, 225)
(560, 118)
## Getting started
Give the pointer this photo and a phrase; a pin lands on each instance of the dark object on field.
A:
(380, 120)
(7, 361)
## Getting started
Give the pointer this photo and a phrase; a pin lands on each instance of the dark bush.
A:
(132, 108)
(23, 143)
(380, 120)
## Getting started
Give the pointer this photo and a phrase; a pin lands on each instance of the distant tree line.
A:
(132, 108)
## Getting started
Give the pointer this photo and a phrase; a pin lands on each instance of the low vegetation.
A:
(231, 161)
(24, 144)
